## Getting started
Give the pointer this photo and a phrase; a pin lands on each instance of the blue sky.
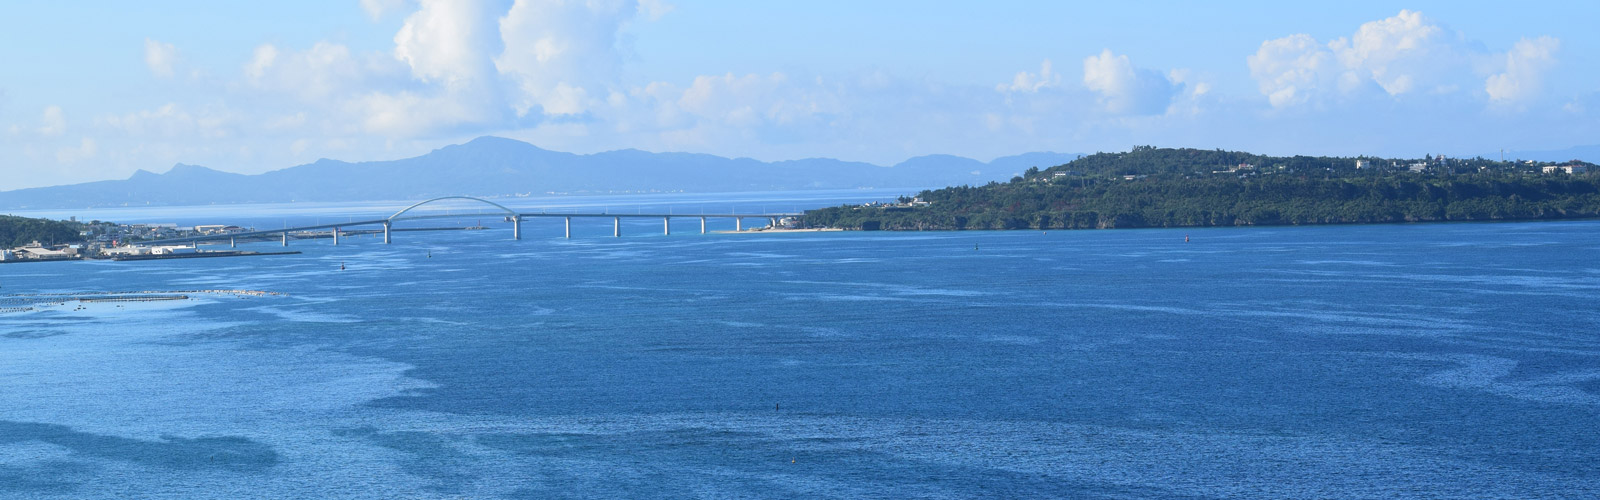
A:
(98, 91)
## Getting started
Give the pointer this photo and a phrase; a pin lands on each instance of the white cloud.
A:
(448, 41)
(563, 54)
(408, 114)
(375, 9)
(325, 71)
(1291, 69)
(86, 149)
(265, 56)
(1404, 55)
(1525, 66)
(171, 121)
(439, 78)
(160, 57)
(1030, 82)
(1125, 89)
(54, 122)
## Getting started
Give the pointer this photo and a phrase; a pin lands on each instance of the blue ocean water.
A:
(1442, 360)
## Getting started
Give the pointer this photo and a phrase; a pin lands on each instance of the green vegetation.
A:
(17, 231)
(1153, 187)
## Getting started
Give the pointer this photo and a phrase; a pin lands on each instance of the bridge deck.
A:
(531, 215)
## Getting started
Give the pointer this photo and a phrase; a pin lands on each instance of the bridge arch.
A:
(397, 215)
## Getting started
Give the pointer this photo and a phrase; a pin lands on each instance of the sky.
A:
(97, 90)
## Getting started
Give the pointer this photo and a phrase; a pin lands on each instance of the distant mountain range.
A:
(499, 167)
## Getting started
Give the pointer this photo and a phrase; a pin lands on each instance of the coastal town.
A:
(108, 240)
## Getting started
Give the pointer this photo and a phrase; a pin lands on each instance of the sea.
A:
(1357, 361)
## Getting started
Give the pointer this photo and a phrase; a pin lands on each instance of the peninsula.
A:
(1162, 187)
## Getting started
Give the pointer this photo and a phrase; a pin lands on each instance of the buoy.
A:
(1185, 238)
(341, 266)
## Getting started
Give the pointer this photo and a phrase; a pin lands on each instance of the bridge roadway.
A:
(517, 218)
(513, 215)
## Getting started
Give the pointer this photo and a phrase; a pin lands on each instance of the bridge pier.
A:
(516, 227)
(569, 228)
(772, 222)
(702, 225)
(233, 242)
(285, 238)
(738, 223)
(616, 227)
(386, 225)
(666, 226)
(336, 236)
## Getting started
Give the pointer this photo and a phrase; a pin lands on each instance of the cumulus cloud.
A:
(1404, 53)
(53, 123)
(1125, 89)
(563, 54)
(265, 56)
(86, 149)
(160, 57)
(448, 41)
(1031, 82)
(325, 70)
(409, 114)
(458, 67)
(1407, 54)
(1291, 69)
(1525, 66)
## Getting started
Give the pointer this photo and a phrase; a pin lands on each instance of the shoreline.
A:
(1220, 226)
(764, 230)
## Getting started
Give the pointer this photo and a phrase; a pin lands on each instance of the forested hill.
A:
(1158, 187)
(17, 231)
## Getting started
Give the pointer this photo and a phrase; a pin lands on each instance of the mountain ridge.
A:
(490, 166)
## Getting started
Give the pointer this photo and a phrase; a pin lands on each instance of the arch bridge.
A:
(512, 216)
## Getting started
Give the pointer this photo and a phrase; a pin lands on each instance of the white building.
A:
(124, 250)
(37, 251)
(1570, 169)
(171, 250)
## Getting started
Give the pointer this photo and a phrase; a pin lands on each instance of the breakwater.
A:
(138, 298)
(199, 255)
(76, 295)
(27, 302)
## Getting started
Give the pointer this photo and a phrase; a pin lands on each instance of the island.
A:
(1180, 187)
